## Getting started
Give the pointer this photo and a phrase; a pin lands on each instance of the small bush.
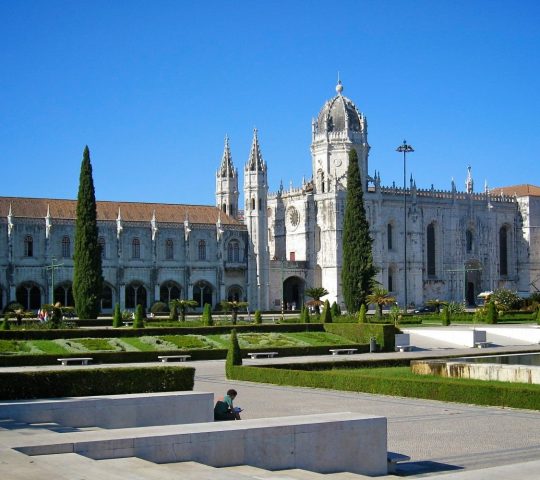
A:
(336, 311)
(159, 307)
(491, 313)
(258, 317)
(234, 355)
(362, 314)
(207, 315)
(5, 323)
(445, 316)
(13, 306)
(327, 313)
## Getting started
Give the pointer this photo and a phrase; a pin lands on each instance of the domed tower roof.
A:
(339, 114)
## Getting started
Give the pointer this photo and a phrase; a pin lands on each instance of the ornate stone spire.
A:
(155, 228)
(187, 228)
(119, 226)
(219, 228)
(10, 221)
(226, 168)
(48, 224)
(469, 183)
(256, 161)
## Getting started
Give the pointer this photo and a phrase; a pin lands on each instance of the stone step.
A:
(200, 471)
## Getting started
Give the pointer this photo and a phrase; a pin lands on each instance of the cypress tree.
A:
(491, 315)
(87, 274)
(5, 323)
(357, 271)
(258, 317)
(207, 315)
(445, 316)
(538, 316)
(138, 321)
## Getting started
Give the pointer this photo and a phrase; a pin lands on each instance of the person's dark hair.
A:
(232, 391)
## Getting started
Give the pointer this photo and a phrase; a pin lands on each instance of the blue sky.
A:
(153, 87)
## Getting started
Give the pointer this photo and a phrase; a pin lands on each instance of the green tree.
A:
(362, 314)
(538, 315)
(87, 273)
(138, 320)
(316, 293)
(207, 315)
(358, 271)
(327, 312)
(380, 297)
(336, 311)
(234, 355)
(117, 316)
(233, 307)
(257, 317)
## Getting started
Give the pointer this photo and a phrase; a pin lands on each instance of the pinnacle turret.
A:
(255, 161)
(226, 168)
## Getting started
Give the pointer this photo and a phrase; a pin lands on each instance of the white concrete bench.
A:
(403, 342)
(128, 324)
(393, 459)
(262, 354)
(114, 411)
(82, 360)
(180, 358)
(346, 351)
(323, 443)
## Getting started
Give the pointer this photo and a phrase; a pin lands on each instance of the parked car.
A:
(425, 309)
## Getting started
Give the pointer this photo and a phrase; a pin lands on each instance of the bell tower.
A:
(227, 184)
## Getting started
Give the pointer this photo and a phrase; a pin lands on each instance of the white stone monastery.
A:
(427, 243)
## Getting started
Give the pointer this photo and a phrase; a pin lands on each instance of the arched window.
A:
(252, 204)
(202, 250)
(431, 271)
(135, 295)
(503, 250)
(260, 204)
(106, 297)
(29, 296)
(28, 246)
(135, 248)
(64, 295)
(390, 234)
(66, 248)
(169, 249)
(390, 279)
(224, 208)
(169, 291)
(102, 247)
(233, 251)
(202, 293)
(469, 240)
(234, 294)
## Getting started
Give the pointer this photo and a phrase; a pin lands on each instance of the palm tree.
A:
(233, 306)
(316, 293)
(183, 306)
(380, 297)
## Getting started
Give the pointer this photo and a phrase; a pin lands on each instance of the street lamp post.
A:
(405, 148)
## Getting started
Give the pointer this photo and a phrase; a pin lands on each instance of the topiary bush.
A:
(138, 321)
(445, 316)
(336, 310)
(538, 316)
(362, 314)
(5, 323)
(207, 315)
(258, 317)
(117, 316)
(327, 312)
(234, 355)
(491, 313)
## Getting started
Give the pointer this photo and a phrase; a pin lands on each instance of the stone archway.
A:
(473, 281)
(293, 293)
(203, 293)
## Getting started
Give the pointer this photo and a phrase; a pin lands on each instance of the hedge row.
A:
(103, 381)
(363, 332)
(433, 388)
(137, 357)
(152, 331)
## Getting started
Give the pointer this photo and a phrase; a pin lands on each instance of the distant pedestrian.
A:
(224, 408)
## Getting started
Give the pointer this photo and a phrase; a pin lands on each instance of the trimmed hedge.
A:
(449, 390)
(153, 331)
(104, 381)
(362, 333)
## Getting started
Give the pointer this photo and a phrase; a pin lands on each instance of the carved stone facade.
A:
(458, 243)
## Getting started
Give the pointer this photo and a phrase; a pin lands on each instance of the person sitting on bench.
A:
(224, 408)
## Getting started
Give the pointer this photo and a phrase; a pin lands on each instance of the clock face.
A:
(293, 217)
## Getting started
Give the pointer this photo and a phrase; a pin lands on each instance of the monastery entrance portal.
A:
(293, 293)
(473, 281)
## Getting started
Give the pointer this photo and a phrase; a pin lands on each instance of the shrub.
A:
(102, 381)
(258, 317)
(174, 312)
(336, 311)
(505, 299)
(5, 323)
(159, 307)
(13, 306)
(445, 315)
(362, 314)
(138, 321)
(455, 308)
(117, 316)
(234, 355)
(491, 313)
(538, 316)
(327, 313)
(207, 315)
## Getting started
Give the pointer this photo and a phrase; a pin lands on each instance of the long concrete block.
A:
(322, 443)
(115, 411)
(465, 338)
